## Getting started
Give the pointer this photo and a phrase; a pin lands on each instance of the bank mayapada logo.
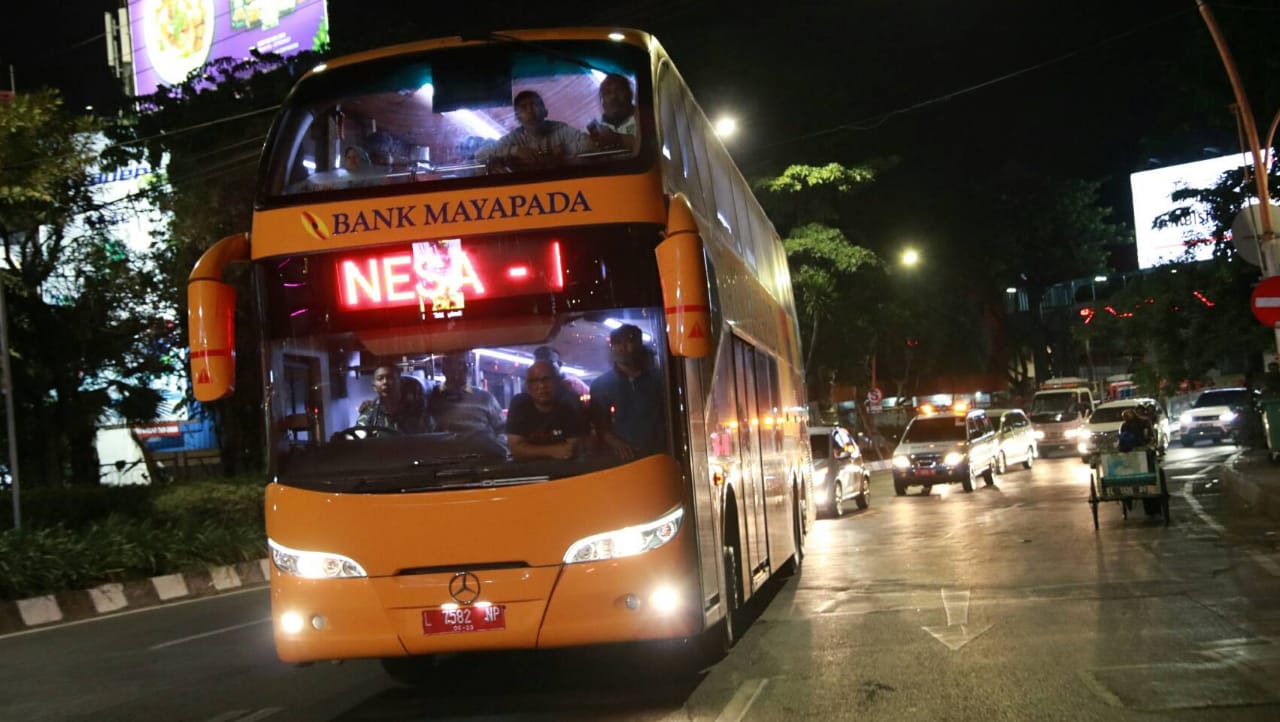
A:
(470, 210)
(314, 226)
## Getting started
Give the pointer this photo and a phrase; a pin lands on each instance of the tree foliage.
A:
(206, 136)
(830, 274)
(88, 341)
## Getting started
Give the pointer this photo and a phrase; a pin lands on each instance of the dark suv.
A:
(1219, 415)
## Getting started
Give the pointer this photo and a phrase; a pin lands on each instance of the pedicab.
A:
(1129, 476)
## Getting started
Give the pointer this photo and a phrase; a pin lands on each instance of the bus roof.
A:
(630, 36)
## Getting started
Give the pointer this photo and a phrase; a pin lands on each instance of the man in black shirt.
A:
(541, 423)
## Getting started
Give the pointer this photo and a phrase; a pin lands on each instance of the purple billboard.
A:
(171, 38)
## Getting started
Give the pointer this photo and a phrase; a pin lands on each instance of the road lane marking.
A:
(194, 637)
(1267, 563)
(742, 700)
(129, 612)
(241, 715)
(956, 634)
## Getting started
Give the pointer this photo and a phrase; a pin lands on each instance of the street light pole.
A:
(6, 380)
(1261, 166)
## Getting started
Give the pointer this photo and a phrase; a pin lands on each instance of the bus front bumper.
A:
(650, 596)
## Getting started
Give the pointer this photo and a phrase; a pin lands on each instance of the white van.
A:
(1060, 413)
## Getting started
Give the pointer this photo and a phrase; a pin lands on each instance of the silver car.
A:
(1015, 439)
(839, 471)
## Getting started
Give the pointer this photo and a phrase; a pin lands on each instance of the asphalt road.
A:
(1000, 604)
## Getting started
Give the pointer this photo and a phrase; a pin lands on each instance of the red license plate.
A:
(924, 472)
(464, 619)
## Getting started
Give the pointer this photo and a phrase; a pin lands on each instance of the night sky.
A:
(953, 88)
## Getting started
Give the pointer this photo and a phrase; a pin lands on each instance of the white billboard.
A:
(1152, 198)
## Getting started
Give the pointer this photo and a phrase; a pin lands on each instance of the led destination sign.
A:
(440, 277)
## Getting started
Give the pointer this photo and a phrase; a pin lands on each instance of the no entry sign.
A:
(1266, 301)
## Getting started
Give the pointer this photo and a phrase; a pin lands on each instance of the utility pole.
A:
(6, 382)
(1261, 159)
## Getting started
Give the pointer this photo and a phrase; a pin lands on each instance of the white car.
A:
(945, 448)
(1015, 439)
(1103, 430)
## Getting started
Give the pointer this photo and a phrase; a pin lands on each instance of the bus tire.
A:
(732, 598)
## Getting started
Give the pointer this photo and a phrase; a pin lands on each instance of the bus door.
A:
(753, 501)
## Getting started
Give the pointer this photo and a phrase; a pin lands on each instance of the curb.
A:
(1258, 497)
(53, 609)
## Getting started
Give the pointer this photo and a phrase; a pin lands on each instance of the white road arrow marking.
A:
(957, 633)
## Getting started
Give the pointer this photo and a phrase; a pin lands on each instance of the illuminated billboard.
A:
(1152, 198)
(171, 38)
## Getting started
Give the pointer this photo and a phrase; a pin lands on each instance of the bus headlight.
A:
(626, 542)
(313, 565)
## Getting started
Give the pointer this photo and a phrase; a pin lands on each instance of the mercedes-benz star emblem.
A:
(464, 587)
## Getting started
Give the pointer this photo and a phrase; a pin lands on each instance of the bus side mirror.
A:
(683, 272)
(211, 313)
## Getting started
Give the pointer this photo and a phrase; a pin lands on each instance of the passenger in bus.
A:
(626, 400)
(571, 387)
(542, 423)
(356, 170)
(537, 142)
(458, 406)
(616, 128)
(399, 404)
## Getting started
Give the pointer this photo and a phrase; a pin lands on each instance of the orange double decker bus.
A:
(399, 225)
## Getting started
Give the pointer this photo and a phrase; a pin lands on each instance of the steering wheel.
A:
(360, 431)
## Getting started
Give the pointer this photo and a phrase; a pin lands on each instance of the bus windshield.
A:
(518, 110)
(397, 368)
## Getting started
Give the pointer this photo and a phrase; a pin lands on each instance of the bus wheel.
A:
(732, 597)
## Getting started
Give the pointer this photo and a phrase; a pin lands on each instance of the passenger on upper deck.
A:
(460, 407)
(616, 128)
(537, 142)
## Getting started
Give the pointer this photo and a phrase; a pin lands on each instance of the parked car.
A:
(1015, 438)
(1220, 415)
(945, 448)
(1103, 431)
(840, 473)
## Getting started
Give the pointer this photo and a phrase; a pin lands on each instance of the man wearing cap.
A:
(542, 423)
(626, 400)
(571, 387)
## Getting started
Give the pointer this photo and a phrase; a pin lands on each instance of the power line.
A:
(875, 121)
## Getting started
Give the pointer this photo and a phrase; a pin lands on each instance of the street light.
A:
(726, 126)
(910, 258)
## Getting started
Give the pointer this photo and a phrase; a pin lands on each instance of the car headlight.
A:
(1070, 433)
(1227, 416)
(313, 565)
(1185, 418)
(901, 461)
(626, 542)
(953, 458)
(1038, 434)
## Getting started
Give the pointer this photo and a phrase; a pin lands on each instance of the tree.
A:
(85, 334)
(206, 135)
(829, 273)
(1042, 231)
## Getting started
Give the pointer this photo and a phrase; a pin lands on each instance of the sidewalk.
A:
(1252, 479)
(62, 607)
